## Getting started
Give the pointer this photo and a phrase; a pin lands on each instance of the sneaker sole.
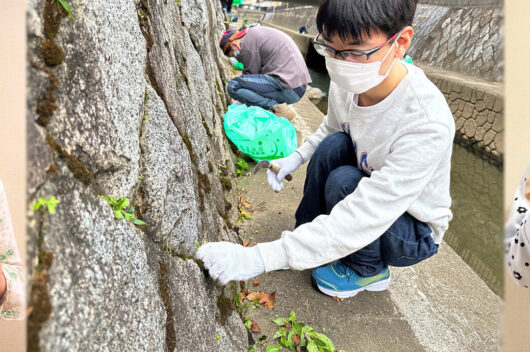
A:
(376, 286)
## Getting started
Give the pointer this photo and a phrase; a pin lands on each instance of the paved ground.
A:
(437, 305)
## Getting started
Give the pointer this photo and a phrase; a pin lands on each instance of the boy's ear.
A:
(403, 42)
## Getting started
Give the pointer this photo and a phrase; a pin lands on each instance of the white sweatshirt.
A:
(404, 143)
(517, 236)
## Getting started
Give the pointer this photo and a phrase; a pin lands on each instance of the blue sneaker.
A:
(338, 280)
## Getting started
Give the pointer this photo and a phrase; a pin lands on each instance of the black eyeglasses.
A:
(348, 54)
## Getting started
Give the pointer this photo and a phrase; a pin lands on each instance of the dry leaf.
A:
(52, 168)
(245, 291)
(268, 299)
(287, 325)
(296, 340)
(242, 297)
(253, 295)
(254, 327)
(245, 243)
(255, 283)
(245, 213)
(242, 284)
(338, 299)
(247, 204)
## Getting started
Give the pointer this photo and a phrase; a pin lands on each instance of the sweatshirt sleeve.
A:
(328, 126)
(371, 209)
(12, 302)
(517, 236)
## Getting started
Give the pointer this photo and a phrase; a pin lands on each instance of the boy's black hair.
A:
(358, 18)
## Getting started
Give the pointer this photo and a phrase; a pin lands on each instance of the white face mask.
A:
(357, 77)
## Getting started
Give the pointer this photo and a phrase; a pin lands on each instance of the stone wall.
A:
(464, 3)
(465, 40)
(127, 100)
(478, 109)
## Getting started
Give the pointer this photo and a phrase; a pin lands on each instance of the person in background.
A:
(275, 73)
(517, 234)
(376, 192)
(227, 6)
(11, 276)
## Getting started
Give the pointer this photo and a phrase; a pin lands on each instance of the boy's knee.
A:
(341, 182)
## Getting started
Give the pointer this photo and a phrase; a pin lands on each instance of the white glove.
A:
(228, 261)
(287, 165)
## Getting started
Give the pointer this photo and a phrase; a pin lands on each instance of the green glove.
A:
(239, 66)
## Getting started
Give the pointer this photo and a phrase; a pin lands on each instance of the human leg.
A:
(253, 90)
(334, 151)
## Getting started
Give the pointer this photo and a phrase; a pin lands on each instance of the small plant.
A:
(50, 203)
(67, 8)
(296, 336)
(122, 209)
(241, 166)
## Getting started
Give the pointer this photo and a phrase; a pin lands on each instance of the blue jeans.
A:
(332, 174)
(264, 91)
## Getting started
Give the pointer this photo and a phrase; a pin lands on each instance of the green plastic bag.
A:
(259, 133)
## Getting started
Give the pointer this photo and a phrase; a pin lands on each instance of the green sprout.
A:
(122, 209)
(50, 203)
(67, 8)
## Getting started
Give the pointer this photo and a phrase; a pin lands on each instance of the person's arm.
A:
(328, 126)
(370, 210)
(12, 301)
(517, 234)
(3, 285)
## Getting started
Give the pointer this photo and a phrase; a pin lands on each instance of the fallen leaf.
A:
(253, 295)
(255, 327)
(338, 299)
(242, 297)
(287, 325)
(247, 204)
(268, 299)
(242, 284)
(255, 283)
(245, 243)
(296, 340)
(245, 291)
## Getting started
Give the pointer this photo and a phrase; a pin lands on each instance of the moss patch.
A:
(48, 103)
(52, 54)
(171, 340)
(225, 304)
(227, 184)
(39, 299)
(79, 170)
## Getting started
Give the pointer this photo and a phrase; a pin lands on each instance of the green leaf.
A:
(292, 317)
(217, 336)
(138, 222)
(252, 350)
(327, 342)
(285, 342)
(273, 348)
(67, 7)
(118, 214)
(123, 203)
(197, 244)
(248, 323)
(311, 347)
(128, 216)
(280, 321)
(281, 332)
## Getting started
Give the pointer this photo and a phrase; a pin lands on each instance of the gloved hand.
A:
(228, 261)
(287, 165)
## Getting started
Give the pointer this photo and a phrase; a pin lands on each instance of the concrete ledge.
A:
(303, 41)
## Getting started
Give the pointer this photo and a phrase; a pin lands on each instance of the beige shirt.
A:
(12, 302)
